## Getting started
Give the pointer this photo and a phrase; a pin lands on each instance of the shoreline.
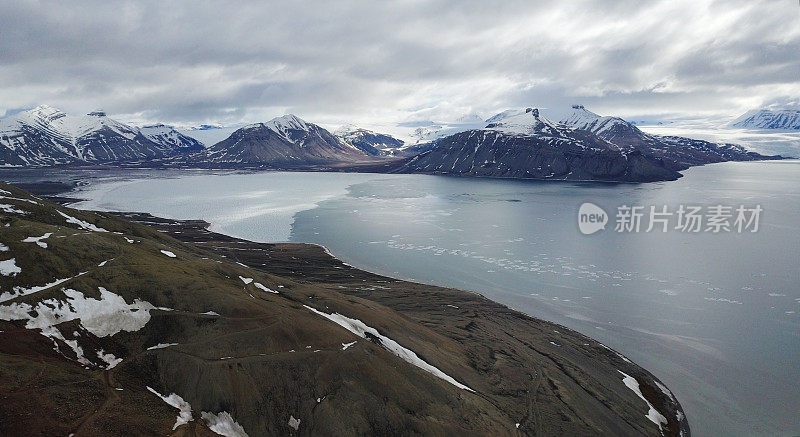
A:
(562, 348)
(315, 265)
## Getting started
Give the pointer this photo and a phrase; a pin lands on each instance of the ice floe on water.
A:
(360, 329)
(168, 253)
(81, 224)
(38, 240)
(652, 414)
(9, 267)
(723, 299)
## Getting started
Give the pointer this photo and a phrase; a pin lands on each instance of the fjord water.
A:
(715, 316)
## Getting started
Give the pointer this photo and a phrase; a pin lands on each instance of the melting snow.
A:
(652, 414)
(294, 423)
(210, 313)
(82, 224)
(185, 415)
(104, 317)
(262, 287)
(347, 345)
(38, 240)
(9, 209)
(9, 267)
(168, 253)
(223, 424)
(21, 291)
(246, 280)
(161, 346)
(359, 328)
(110, 359)
(3, 248)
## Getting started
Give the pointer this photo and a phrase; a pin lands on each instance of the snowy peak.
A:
(47, 136)
(372, 143)
(582, 118)
(784, 119)
(522, 122)
(286, 141)
(471, 118)
(163, 134)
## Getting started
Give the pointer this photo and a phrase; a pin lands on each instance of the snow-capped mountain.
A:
(785, 119)
(47, 136)
(369, 142)
(677, 153)
(525, 145)
(286, 141)
(163, 134)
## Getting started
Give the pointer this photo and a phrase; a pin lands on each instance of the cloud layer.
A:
(194, 62)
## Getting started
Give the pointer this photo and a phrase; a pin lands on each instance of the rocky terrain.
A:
(110, 327)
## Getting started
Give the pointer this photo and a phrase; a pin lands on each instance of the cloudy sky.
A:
(371, 62)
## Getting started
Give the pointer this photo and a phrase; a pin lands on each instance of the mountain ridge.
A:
(46, 136)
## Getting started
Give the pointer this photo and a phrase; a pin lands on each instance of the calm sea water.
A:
(716, 316)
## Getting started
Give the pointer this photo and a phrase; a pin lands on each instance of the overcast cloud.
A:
(229, 62)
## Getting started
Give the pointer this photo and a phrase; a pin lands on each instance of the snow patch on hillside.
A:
(360, 329)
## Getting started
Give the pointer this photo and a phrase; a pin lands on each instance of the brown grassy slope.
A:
(266, 357)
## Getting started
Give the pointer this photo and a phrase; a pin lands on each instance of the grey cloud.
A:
(240, 61)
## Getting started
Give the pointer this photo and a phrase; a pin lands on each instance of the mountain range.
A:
(580, 145)
(783, 119)
(46, 136)
(526, 145)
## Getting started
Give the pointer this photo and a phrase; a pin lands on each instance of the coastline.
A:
(315, 265)
(537, 369)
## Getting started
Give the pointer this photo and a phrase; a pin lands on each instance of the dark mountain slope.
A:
(282, 142)
(528, 146)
